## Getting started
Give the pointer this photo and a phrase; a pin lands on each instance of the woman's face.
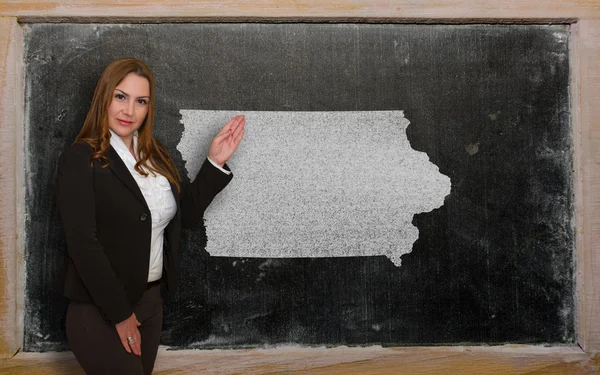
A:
(129, 106)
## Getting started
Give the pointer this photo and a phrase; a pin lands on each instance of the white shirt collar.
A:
(120, 146)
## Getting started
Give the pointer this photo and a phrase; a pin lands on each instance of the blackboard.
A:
(488, 104)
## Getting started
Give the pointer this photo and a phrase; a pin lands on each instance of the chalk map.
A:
(315, 184)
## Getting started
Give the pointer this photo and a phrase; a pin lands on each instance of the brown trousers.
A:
(97, 346)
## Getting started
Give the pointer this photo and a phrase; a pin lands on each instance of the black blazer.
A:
(108, 228)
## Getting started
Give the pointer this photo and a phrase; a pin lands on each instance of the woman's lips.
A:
(125, 123)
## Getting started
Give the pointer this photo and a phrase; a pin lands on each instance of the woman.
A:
(123, 208)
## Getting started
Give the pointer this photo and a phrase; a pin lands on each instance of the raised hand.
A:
(226, 142)
(130, 335)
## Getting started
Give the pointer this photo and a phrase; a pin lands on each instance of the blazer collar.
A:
(120, 169)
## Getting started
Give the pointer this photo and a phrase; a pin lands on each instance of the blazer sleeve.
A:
(198, 195)
(76, 201)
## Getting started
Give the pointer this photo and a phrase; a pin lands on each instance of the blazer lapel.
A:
(175, 194)
(120, 169)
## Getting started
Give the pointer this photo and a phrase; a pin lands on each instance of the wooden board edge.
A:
(579, 214)
(11, 178)
(296, 19)
(589, 118)
(182, 10)
(298, 360)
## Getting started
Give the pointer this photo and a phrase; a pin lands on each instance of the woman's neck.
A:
(128, 141)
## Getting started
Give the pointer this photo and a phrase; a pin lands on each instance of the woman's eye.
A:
(120, 96)
(142, 101)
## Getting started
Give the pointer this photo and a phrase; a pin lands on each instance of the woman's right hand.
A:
(130, 335)
(226, 142)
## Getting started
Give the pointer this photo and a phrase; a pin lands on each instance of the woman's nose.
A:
(129, 107)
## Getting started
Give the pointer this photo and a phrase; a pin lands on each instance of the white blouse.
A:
(160, 200)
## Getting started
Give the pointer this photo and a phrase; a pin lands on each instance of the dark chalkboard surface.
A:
(488, 104)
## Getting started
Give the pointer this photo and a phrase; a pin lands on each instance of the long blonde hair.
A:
(152, 155)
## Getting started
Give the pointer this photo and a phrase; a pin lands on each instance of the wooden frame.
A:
(584, 15)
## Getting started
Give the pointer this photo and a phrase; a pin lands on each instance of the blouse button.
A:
(143, 217)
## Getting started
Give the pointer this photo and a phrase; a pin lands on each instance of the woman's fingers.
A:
(225, 128)
(230, 125)
(134, 340)
(239, 129)
(137, 343)
(237, 138)
(224, 136)
(125, 343)
(129, 335)
(235, 133)
(225, 143)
